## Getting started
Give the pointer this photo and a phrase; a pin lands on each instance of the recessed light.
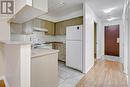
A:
(109, 10)
(60, 4)
(112, 18)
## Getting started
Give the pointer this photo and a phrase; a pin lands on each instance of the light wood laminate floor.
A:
(104, 74)
(2, 84)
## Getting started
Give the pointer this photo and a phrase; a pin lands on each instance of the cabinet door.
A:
(62, 52)
(77, 21)
(44, 24)
(37, 23)
(27, 27)
(16, 28)
(60, 28)
(48, 25)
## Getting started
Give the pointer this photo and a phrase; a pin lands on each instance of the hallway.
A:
(104, 74)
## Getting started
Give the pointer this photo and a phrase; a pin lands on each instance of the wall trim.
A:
(113, 58)
(127, 79)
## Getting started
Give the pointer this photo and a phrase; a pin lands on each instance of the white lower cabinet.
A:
(44, 71)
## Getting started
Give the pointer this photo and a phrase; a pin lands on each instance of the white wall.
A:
(128, 67)
(4, 30)
(1, 61)
(126, 23)
(118, 22)
(88, 38)
(99, 37)
(4, 35)
(126, 44)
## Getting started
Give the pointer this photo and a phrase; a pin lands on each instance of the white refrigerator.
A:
(74, 57)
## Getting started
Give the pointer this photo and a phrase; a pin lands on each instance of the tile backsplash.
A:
(38, 37)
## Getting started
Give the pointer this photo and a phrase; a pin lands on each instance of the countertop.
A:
(42, 52)
(15, 42)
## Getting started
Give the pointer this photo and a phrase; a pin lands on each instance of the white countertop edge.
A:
(44, 53)
(15, 42)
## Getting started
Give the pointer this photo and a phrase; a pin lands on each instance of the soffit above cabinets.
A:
(26, 10)
(61, 9)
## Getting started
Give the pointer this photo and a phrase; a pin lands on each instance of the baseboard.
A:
(86, 71)
(127, 79)
(112, 58)
(3, 78)
(126, 76)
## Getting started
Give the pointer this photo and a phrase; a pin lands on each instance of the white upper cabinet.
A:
(27, 27)
(26, 10)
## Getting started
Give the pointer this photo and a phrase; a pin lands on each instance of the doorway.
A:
(112, 40)
(95, 41)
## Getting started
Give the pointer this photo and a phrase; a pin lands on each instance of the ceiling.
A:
(99, 6)
(58, 8)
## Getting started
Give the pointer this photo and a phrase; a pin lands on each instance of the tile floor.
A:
(68, 77)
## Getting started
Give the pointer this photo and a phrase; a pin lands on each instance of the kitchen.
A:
(52, 35)
(27, 38)
(47, 35)
(44, 33)
(52, 43)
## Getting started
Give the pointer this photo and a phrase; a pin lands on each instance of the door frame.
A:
(121, 47)
(95, 40)
(105, 40)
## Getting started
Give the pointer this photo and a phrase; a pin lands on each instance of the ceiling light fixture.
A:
(60, 4)
(109, 10)
(112, 18)
(57, 5)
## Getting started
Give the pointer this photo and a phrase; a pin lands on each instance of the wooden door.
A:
(112, 40)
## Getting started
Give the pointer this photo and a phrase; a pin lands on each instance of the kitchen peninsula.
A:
(44, 68)
(30, 67)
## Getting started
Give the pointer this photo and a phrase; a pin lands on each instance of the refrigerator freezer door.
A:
(74, 54)
(74, 33)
